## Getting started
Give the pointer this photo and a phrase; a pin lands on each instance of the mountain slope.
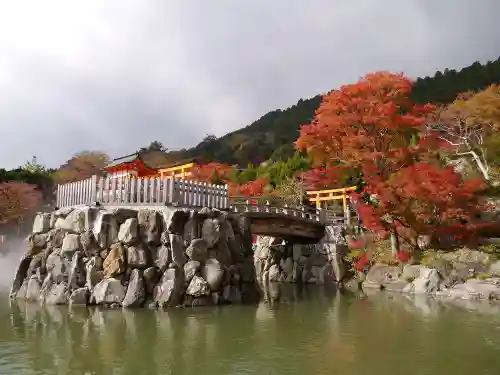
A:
(272, 136)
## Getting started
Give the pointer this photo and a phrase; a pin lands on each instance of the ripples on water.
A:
(309, 330)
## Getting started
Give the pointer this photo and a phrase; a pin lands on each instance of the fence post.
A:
(347, 210)
(93, 190)
(322, 215)
(226, 196)
(173, 191)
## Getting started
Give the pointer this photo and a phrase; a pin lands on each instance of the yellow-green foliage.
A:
(429, 257)
(483, 276)
(491, 248)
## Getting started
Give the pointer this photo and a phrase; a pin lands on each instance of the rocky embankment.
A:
(278, 261)
(463, 274)
(133, 258)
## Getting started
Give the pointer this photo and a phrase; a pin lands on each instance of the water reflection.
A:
(296, 330)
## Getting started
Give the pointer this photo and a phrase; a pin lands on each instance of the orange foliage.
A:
(81, 166)
(251, 189)
(211, 173)
(371, 129)
(17, 199)
(422, 199)
(363, 122)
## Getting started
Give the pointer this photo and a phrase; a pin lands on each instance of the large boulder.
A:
(190, 269)
(474, 289)
(427, 281)
(58, 267)
(108, 291)
(79, 220)
(136, 291)
(21, 293)
(178, 250)
(213, 273)
(198, 287)
(176, 220)
(36, 242)
(41, 224)
(71, 244)
(105, 229)
(137, 257)
(47, 285)
(380, 276)
(38, 263)
(162, 257)
(116, 261)
(121, 214)
(222, 253)
(129, 231)
(33, 289)
(57, 294)
(210, 231)
(89, 244)
(76, 275)
(56, 237)
(150, 278)
(197, 250)
(79, 297)
(150, 226)
(20, 275)
(494, 269)
(468, 256)
(227, 230)
(192, 227)
(94, 272)
(274, 273)
(170, 288)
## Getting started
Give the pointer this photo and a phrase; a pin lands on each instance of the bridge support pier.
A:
(277, 260)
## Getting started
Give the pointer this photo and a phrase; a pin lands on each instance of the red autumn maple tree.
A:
(421, 199)
(253, 188)
(367, 124)
(211, 173)
(16, 200)
(372, 129)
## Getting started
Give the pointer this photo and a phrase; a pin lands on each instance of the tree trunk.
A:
(394, 242)
(483, 167)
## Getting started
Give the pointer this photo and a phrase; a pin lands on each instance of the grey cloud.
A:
(116, 75)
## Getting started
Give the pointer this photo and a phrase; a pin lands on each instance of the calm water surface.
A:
(308, 331)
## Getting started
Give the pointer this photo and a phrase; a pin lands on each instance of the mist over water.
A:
(9, 260)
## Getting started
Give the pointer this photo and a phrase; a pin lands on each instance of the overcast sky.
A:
(114, 75)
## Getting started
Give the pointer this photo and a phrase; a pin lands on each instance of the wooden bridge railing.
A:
(130, 190)
(297, 212)
(261, 205)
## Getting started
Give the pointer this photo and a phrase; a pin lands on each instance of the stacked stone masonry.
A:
(276, 260)
(132, 258)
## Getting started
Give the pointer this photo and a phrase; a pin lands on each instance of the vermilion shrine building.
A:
(134, 165)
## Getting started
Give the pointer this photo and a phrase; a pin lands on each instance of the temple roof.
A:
(177, 163)
(126, 160)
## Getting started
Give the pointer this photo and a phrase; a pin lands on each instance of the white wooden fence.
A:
(130, 190)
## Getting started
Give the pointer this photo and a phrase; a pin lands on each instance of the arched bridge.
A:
(298, 224)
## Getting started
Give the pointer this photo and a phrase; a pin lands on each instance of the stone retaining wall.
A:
(137, 257)
(276, 260)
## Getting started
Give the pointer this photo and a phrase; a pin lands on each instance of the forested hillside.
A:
(272, 136)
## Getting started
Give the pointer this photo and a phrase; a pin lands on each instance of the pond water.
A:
(309, 331)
